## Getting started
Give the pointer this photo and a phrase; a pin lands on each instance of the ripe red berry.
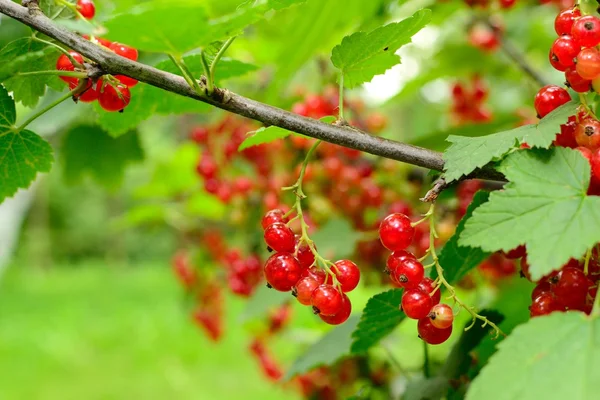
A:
(280, 237)
(542, 287)
(305, 288)
(586, 31)
(129, 53)
(89, 95)
(576, 82)
(282, 271)
(517, 252)
(587, 133)
(409, 273)
(273, 216)
(113, 98)
(595, 163)
(347, 274)
(342, 315)
(316, 273)
(566, 137)
(207, 167)
(64, 64)
(588, 64)
(507, 3)
(441, 316)
(549, 98)
(570, 286)
(397, 257)
(555, 63)
(430, 334)
(396, 232)
(563, 23)
(326, 300)
(416, 304)
(304, 254)
(566, 49)
(544, 304)
(86, 8)
(427, 286)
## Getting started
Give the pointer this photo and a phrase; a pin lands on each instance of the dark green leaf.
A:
(379, 318)
(90, 150)
(330, 348)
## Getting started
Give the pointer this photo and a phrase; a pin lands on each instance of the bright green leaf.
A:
(27, 55)
(331, 347)
(544, 206)
(379, 318)
(363, 55)
(90, 150)
(550, 357)
(263, 135)
(337, 238)
(457, 260)
(467, 153)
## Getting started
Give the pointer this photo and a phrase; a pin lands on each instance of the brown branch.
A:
(110, 63)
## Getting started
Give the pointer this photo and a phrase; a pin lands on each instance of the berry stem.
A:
(213, 66)
(75, 63)
(596, 308)
(586, 264)
(449, 287)
(585, 105)
(82, 84)
(73, 74)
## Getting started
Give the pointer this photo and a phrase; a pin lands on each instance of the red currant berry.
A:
(545, 304)
(326, 300)
(430, 334)
(304, 254)
(64, 64)
(586, 31)
(549, 98)
(347, 274)
(441, 316)
(342, 315)
(587, 133)
(409, 273)
(280, 237)
(427, 286)
(315, 273)
(588, 64)
(207, 167)
(576, 82)
(113, 98)
(273, 216)
(282, 271)
(416, 304)
(89, 95)
(305, 288)
(566, 49)
(555, 63)
(86, 8)
(507, 3)
(566, 137)
(595, 163)
(396, 232)
(542, 287)
(518, 252)
(571, 286)
(563, 23)
(397, 257)
(129, 53)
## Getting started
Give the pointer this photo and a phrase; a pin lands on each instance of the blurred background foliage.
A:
(88, 298)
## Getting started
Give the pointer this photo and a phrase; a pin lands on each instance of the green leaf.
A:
(90, 150)
(550, 357)
(261, 302)
(164, 32)
(27, 55)
(467, 154)
(457, 260)
(337, 238)
(363, 55)
(263, 135)
(379, 318)
(544, 206)
(331, 347)
(8, 113)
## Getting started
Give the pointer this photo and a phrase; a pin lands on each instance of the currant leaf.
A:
(336, 239)
(380, 317)
(543, 206)
(466, 154)
(106, 163)
(361, 56)
(330, 348)
(457, 260)
(538, 357)
(263, 135)
(263, 300)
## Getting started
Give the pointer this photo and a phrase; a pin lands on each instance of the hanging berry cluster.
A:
(467, 104)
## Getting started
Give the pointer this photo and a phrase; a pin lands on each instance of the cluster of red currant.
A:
(293, 268)
(573, 287)
(574, 52)
(467, 104)
(421, 297)
(111, 92)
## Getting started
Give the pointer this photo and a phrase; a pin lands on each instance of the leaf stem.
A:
(209, 84)
(82, 84)
(71, 74)
(211, 72)
(341, 99)
(75, 63)
(448, 286)
(180, 64)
